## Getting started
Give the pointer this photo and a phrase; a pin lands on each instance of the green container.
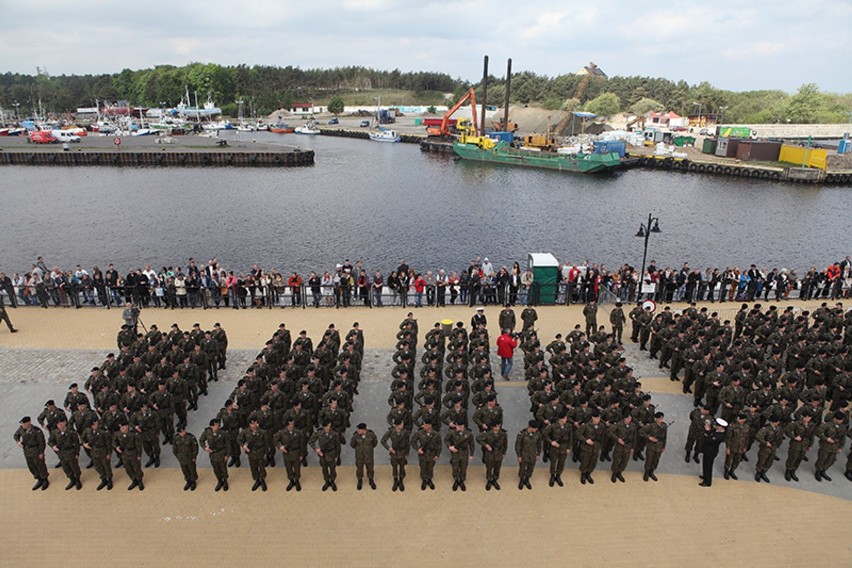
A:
(709, 146)
(418, 121)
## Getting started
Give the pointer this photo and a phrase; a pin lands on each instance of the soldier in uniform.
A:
(460, 442)
(591, 435)
(427, 443)
(736, 443)
(698, 419)
(558, 441)
(769, 438)
(590, 311)
(617, 319)
(128, 445)
(364, 442)
(654, 435)
(529, 316)
(397, 441)
(801, 434)
(494, 442)
(215, 443)
(229, 417)
(31, 439)
(623, 434)
(98, 441)
(326, 443)
(253, 442)
(66, 443)
(634, 322)
(832, 436)
(145, 422)
(289, 441)
(528, 445)
(185, 448)
(5, 317)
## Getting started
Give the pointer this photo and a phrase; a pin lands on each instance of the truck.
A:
(735, 132)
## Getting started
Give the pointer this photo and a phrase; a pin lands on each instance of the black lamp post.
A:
(644, 232)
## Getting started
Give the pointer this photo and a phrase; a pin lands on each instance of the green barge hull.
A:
(503, 153)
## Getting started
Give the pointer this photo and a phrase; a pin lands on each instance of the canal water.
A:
(383, 203)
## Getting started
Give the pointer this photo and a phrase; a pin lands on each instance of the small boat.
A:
(384, 136)
(309, 128)
(282, 129)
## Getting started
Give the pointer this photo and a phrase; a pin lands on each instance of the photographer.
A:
(130, 316)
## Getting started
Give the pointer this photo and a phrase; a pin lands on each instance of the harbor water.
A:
(382, 203)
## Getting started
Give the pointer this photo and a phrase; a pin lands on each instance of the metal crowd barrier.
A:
(336, 296)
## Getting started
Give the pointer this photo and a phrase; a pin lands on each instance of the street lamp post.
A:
(644, 232)
(699, 105)
(722, 110)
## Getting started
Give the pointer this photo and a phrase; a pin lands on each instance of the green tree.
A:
(606, 104)
(646, 105)
(335, 105)
(806, 105)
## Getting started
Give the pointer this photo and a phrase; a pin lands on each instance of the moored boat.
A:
(504, 153)
(309, 128)
(281, 129)
(384, 135)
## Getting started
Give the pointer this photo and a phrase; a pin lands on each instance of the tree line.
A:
(265, 89)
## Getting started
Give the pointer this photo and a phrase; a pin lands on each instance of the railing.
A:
(336, 296)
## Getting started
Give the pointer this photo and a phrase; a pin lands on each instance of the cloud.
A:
(762, 44)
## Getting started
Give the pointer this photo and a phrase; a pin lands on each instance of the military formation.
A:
(125, 405)
(295, 399)
(772, 375)
(586, 403)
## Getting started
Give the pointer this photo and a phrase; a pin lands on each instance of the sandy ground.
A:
(670, 523)
(95, 328)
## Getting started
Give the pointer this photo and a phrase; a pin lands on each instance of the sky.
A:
(735, 45)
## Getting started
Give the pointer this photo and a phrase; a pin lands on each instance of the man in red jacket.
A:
(506, 344)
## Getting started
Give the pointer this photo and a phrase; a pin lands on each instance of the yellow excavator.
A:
(468, 134)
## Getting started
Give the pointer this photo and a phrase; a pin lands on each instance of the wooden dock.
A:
(134, 158)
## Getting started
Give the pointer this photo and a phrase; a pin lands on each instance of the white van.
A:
(65, 135)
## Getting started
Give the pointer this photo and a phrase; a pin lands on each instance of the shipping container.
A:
(507, 137)
(682, 141)
(751, 150)
(727, 147)
(810, 157)
(709, 146)
(608, 146)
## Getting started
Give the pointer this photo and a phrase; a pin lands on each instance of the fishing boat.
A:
(308, 128)
(281, 128)
(384, 135)
(504, 153)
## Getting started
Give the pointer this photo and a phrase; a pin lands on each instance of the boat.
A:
(384, 135)
(504, 153)
(308, 128)
(281, 129)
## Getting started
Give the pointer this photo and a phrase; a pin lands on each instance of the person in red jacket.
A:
(506, 344)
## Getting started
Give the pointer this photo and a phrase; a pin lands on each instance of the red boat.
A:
(281, 129)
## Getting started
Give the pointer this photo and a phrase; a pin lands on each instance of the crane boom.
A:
(445, 127)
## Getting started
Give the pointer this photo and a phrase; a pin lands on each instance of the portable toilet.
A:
(545, 269)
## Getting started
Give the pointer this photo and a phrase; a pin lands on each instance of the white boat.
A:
(308, 128)
(384, 136)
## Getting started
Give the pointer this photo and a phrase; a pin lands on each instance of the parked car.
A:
(334, 121)
(365, 123)
(705, 132)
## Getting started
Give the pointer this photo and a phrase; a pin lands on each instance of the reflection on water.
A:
(386, 202)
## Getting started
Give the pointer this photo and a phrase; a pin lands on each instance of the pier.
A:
(188, 151)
